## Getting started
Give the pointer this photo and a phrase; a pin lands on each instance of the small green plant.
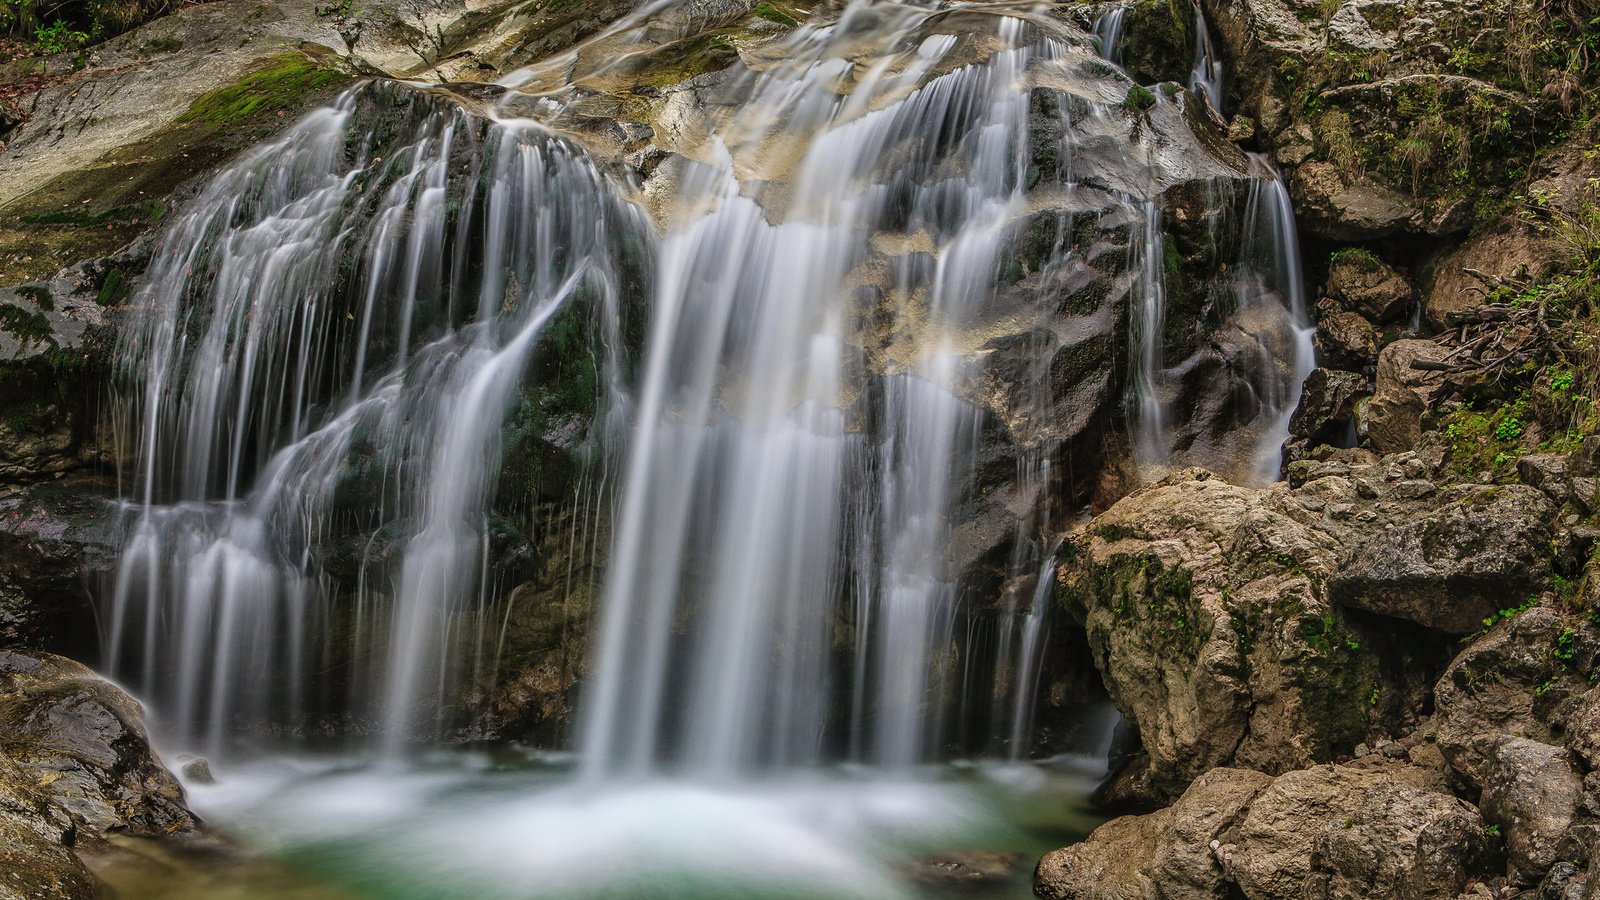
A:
(1139, 98)
(1508, 429)
(59, 37)
(1492, 830)
(1564, 649)
(1561, 383)
(1508, 613)
(1373, 695)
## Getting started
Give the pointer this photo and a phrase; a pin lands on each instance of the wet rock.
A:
(1474, 551)
(36, 860)
(1328, 404)
(199, 772)
(1532, 791)
(1392, 419)
(54, 537)
(83, 741)
(1365, 284)
(1346, 340)
(968, 867)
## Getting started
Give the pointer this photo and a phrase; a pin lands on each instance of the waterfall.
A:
(323, 357)
(1206, 77)
(1271, 260)
(780, 477)
(1108, 31)
(1148, 387)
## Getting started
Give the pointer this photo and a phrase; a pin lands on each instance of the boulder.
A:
(83, 740)
(1363, 283)
(1392, 419)
(1509, 249)
(1346, 340)
(1168, 853)
(1341, 831)
(1385, 829)
(1476, 550)
(54, 537)
(1532, 791)
(1328, 404)
(1202, 603)
(36, 860)
(1510, 682)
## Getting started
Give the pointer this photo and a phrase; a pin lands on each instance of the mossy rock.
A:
(94, 211)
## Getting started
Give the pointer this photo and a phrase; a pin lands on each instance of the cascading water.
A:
(1108, 31)
(327, 349)
(1206, 77)
(884, 245)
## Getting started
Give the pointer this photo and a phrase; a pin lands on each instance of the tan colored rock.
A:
(1503, 251)
(1194, 592)
(1384, 829)
(1532, 791)
(1392, 419)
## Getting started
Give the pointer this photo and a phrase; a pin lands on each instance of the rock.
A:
(1380, 830)
(1202, 603)
(54, 537)
(1328, 404)
(968, 867)
(1506, 250)
(1171, 853)
(1366, 284)
(1324, 831)
(1490, 690)
(1402, 842)
(84, 741)
(1548, 473)
(1346, 206)
(1346, 340)
(1532, 791)
(1392, 419)
(36, 862)
(199, 772)
(1475, 551)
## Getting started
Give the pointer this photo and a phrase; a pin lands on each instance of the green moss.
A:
(146, 213)
(1139, 98)
(279, 85)
(774, 14)
(27, 326)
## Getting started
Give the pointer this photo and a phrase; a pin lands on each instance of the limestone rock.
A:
(1393, 417)
(1166, 854)
(1382, 830)
(1506, 250)
(1368, 285)
(1490, 690)
(1479, 549)
(1346, 340)
(1532, 791)
(1194, 593)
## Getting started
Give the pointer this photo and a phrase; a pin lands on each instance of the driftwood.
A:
(1492, 339)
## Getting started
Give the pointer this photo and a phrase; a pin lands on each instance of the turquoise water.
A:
(504, 825)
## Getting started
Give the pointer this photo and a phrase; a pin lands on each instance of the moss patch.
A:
(279, 85)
